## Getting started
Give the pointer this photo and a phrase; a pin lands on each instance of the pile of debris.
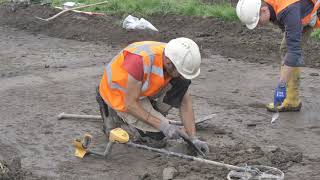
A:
(11, 169)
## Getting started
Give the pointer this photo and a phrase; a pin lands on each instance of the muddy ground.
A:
(49, 68)
(230, 39)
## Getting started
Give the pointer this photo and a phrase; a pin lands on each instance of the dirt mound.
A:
(11, 169)
(10, 163)
(240, 154)
(229, 39)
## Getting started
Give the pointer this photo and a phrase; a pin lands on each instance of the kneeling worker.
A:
(141, 84)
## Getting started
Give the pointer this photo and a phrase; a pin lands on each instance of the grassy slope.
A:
(151, 7)
(144, 8)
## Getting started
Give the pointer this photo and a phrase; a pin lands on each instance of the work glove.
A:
(170, 131)
(279, 94)
(203, 146)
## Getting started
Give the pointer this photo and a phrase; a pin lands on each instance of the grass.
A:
(316, 34)
(3, 1)
(145, 8)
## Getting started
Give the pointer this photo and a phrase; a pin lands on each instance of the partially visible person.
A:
(297, 19)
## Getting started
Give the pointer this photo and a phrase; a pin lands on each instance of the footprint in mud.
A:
(47, 128)
(316, 130)
(257, 105)
(310, 111)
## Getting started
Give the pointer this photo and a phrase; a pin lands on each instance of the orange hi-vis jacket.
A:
(113, 85)
(311, 19)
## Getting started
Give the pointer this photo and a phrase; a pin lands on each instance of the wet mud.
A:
(49, 68)
(10, 163)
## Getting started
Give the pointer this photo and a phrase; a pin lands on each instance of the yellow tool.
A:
(82, 145)
(117, 135)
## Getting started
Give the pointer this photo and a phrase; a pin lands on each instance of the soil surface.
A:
(230, 39)
(49, 68)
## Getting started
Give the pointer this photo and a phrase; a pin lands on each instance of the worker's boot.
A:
(292, 101)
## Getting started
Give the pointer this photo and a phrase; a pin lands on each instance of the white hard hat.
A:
(184, 53)
(248, 12)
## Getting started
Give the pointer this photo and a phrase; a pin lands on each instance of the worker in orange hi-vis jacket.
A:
(141, 84)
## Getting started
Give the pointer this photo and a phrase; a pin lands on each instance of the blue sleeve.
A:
(291, 19)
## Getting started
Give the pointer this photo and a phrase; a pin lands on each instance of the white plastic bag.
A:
(131, 22)
(69, 5)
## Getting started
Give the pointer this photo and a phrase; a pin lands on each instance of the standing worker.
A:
(141, 84)
(296, 18)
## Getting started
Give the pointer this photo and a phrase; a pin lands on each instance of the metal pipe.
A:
(163, 151)
(97, 117)
(106, 152)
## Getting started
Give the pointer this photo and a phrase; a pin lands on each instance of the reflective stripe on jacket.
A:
(311, 19)
(114, 80)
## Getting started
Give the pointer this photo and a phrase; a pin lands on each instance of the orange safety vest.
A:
(311, 19)
(114, 80)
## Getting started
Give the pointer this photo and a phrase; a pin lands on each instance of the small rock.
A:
(46, 66)
(48, 132)
(211, 70)
(169, 173)
(219, 131)
(60, 66)
(235, 91)
(269, 149)
(290, 163)
(251, 150)
(146, 176)
(251, 125)
(80, 18)
(297, 157)
(314, 74)
(195, 168)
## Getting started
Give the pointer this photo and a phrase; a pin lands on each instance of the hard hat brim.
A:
(188, 76)
(253, 25)
(180, 71)
(184, 75)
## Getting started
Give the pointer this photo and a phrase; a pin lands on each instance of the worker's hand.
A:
(203, 146)
(279, 94)
(170, 131)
